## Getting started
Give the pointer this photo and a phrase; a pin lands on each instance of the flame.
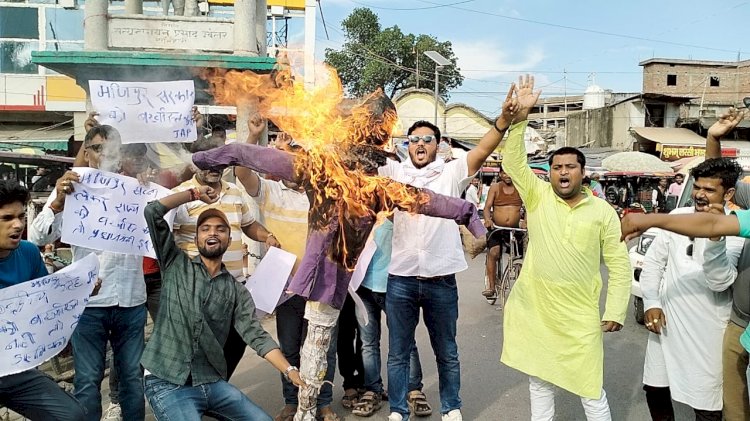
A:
(344, 142)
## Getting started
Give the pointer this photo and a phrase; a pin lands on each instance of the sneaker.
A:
(395, 416)
(113, 413)
(454, 415)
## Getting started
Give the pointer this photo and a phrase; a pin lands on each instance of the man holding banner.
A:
(30, 392)
(200, 303)
(118, 312)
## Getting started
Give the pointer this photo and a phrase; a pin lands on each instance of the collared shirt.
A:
(376, 276)
(552, 324)
(195, 313)
(319, 277)
(284, 213)
(424, 245)
(234, 206)
(121, 274)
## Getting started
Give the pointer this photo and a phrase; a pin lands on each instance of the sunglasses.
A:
(428, 138)
(96, 148)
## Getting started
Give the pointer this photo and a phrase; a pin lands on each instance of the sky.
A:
(564, 44)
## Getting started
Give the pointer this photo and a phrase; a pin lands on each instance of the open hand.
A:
(525, 96)
(726, 123)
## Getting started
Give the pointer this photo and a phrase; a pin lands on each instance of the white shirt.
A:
(121, 274)
(423, 245)
(472, 195)
(693, 292)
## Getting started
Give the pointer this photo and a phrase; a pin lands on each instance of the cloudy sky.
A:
(495, 40)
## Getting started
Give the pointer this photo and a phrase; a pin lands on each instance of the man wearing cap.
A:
(186, 372)
(233, 204)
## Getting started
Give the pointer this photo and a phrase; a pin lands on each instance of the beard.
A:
(214, 253)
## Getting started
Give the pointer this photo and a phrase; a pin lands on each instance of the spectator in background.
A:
(659, 196)
(219, 134)
(472, 192)
(675, 189)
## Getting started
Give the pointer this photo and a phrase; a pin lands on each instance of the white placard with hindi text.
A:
(270, 276)
(105, 212)
(146, 112)
(38, 317)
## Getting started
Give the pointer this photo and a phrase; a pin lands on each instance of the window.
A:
(19, 22)
(15, 57)
(63, 24)
(671, 80)
(714, 81)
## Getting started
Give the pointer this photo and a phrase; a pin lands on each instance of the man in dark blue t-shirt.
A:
(30, 393)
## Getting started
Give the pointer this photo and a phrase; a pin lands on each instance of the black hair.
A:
(586, 180)
(218, 128)
(567, 150)
(104, 131)
(11, 192)
(133, 150)
(423, 123)
(728, 170)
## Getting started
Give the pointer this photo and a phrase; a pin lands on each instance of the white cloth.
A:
(542, 396)
(423, 245)
(693, 292)
(472, 195)
(121, 274)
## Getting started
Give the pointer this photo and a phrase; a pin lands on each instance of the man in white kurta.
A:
(685, 284)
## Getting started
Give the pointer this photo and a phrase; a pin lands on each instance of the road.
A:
(490, 390)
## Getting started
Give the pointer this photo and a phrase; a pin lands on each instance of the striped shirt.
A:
(284, 212)
(234, 206)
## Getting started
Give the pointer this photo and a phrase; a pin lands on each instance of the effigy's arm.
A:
(259, 158)
(427, 202)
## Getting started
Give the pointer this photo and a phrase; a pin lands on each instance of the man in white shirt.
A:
(686, 292)
(426, 255)
(118, 312)
(472, 192)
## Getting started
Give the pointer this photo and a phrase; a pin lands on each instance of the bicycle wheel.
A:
(509, 279)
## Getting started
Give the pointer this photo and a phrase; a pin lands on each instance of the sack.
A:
(472, 246)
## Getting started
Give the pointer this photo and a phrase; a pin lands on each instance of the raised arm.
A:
(725, 124)
(249, 178)
(489, 142)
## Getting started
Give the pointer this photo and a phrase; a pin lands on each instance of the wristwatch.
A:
(289, 370)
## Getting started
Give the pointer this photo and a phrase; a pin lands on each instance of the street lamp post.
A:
(440, 63)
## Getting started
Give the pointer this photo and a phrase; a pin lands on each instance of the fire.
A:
(344, 142)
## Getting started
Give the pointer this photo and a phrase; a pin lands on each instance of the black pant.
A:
(36, 396)
(659, 400)
(350, 348)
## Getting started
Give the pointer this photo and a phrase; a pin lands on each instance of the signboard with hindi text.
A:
(38, 317)
(146, 112)
(105, 212)
(172, 33)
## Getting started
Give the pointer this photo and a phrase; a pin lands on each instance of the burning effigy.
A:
(343, 144)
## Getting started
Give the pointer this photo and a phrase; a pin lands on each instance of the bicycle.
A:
(506, 276)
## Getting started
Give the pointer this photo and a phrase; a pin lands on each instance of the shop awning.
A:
(21, 138)
(670, 136)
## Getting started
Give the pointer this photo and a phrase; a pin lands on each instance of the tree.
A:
(373, 57)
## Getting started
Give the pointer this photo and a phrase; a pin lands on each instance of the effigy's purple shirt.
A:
(319, 277)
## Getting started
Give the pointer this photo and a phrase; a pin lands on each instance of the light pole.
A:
(440, 63)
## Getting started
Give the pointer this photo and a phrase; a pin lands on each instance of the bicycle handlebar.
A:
(508, 228)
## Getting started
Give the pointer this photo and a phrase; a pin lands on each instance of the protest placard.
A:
(146, 112)
(270, 276)
(38, 317)
(105, 212)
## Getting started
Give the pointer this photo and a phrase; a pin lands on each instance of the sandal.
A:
(488, 293)
(369, 403)
(350, 398)
(287, 413)
(418, 403)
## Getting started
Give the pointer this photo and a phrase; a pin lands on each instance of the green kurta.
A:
(552, 326)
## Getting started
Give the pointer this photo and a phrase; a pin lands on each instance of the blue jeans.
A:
(438, 299)
(219, 400)
(375, 305)
(36, 396)
(291, 329)
(123, 328)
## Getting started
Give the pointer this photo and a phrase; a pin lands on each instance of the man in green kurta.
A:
(552, 325)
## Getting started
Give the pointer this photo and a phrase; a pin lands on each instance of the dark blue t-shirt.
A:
(22, 264)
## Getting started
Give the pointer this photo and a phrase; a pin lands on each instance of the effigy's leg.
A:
(321, 319)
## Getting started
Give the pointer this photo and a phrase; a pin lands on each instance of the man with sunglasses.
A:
(686, 293)
(426, 255)
(117, 313)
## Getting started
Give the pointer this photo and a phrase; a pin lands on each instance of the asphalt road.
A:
(489, 390)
